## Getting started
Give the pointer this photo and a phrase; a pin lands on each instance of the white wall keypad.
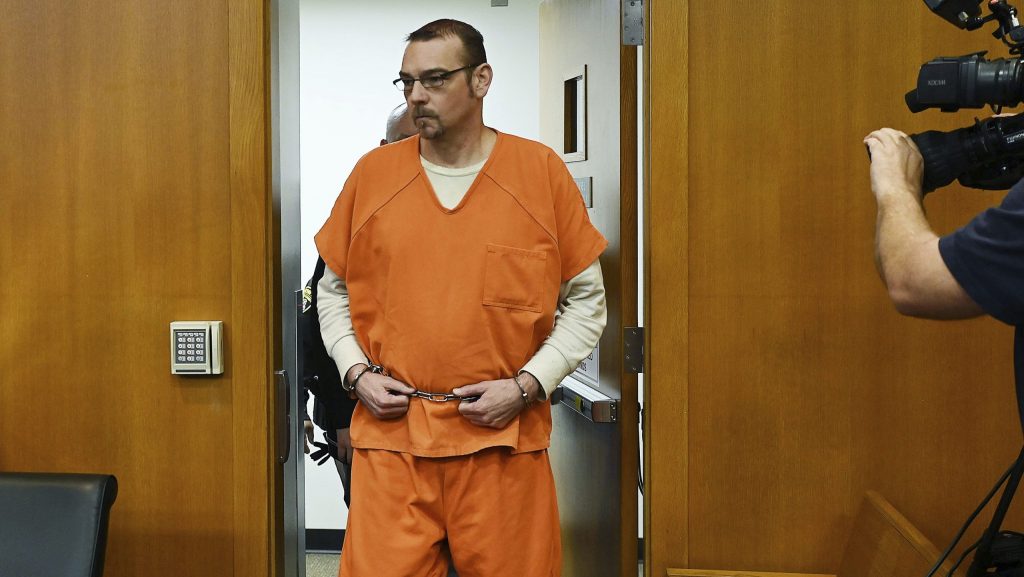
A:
(196, 347)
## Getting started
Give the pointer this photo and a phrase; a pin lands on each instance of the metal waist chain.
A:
(441, 397)
(432, 397)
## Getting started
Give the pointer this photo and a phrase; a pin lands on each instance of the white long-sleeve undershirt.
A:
(582, 314)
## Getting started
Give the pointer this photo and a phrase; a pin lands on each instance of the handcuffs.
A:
(432, 397)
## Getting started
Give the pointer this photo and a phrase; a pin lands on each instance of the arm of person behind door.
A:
(384, 397)
(583, 314)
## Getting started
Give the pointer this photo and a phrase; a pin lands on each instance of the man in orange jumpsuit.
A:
(448, 256)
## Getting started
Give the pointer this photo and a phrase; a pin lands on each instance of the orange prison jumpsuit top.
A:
(444, 298)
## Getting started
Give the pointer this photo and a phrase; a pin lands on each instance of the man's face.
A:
(439, 110)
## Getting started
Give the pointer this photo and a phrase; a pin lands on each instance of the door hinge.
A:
(633, 345)
(632, 22)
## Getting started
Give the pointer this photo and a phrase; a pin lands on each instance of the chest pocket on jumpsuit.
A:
(513, 278)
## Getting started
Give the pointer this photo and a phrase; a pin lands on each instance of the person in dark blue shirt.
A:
(976, 270)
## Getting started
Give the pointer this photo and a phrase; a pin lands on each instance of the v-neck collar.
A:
(472, 187)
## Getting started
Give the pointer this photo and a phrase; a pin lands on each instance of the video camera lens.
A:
(985, 155)
(990, 154)
(952, 83)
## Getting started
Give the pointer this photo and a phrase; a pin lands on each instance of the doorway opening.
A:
(350, 52)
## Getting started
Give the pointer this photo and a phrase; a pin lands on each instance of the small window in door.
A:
(575, 113)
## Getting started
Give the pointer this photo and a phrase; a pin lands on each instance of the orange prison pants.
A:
(494, 511)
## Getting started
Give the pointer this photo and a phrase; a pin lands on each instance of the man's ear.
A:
(482, 77)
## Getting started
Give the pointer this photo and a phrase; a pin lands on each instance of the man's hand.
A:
(308, 436)
(385, 397)
(896, 164)
(500, 401)
(345, 444)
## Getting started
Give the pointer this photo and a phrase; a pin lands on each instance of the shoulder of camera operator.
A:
(907, 253)
(986, 257)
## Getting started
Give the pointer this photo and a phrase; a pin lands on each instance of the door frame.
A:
(289, 499)
(629, 222)
(666, 246)
(254, 265)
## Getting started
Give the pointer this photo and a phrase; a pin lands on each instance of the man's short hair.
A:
(472, 40)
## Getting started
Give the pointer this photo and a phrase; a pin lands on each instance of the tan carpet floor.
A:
(321, 565)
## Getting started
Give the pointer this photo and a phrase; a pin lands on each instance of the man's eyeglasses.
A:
(435, 80)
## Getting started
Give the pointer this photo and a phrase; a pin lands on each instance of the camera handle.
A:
(1010, 31)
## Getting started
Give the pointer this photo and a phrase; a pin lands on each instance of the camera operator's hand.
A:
(896, 164)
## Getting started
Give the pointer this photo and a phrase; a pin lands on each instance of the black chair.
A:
(54, 524)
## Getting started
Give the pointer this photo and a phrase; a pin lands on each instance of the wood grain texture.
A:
(256, 312)
(882, 543)
(782, 382)
(673, 572)
(666, 304)
(117, 216)
(629, 413)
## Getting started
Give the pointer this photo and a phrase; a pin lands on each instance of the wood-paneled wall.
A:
(781, 382)
(133, 192)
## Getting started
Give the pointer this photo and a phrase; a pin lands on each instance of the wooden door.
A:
(134, 192)
(782, 384)
(595, 464)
